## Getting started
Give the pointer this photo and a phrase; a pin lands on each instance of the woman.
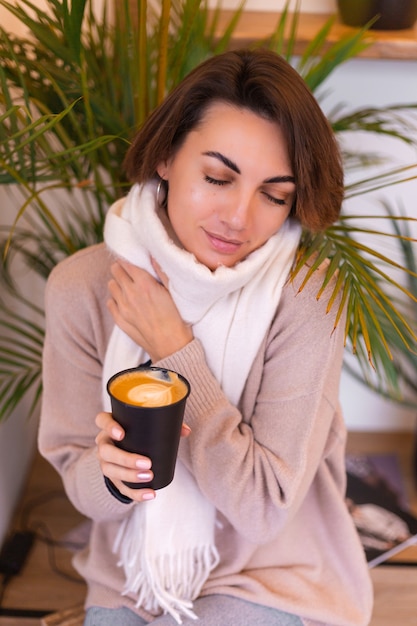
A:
(194, 272)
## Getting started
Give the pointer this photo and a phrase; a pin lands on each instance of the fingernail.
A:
(143, 464)
(117, 434)
(144, 476)
(148, 496)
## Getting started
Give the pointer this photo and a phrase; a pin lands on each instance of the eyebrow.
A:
(227, 162)
(231, 165)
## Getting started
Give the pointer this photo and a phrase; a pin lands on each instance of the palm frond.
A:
(377, 324)
(21, 344)
(320, 60)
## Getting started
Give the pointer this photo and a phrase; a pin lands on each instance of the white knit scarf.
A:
(166, 546)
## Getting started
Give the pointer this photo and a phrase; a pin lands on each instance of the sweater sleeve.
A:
(257, 462)
(75, 340)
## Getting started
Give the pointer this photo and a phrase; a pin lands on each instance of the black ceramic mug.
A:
(149, 403)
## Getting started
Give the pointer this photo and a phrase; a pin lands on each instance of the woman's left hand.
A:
(144, 309)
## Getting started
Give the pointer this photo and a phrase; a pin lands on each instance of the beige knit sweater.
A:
(273, 466)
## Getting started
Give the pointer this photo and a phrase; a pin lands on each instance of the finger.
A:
(121, 269)
(119, 284)
(115, 289)
(138, 495)
(109, 453)
(122, 466)
(125, 474)
(118, 464)
(185, 430)
(105, 421)
(160, 273)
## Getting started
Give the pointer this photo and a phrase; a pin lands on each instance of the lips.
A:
(222, 244)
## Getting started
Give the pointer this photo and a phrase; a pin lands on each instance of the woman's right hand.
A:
(119, 465)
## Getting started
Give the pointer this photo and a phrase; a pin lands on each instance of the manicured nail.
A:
(144, 476)
(116, 434)
(148, 496)
(143, 464)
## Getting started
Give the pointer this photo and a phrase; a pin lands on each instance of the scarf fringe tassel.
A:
(169, 582)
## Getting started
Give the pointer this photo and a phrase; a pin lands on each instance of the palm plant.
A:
(404, 360)
(72, 94)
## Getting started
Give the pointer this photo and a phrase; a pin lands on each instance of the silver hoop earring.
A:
(161, 189)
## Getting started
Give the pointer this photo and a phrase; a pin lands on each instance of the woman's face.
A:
(231, 185)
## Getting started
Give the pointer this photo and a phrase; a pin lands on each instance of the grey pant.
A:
(216, 610)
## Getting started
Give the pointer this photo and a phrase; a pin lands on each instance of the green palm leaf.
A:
(20, 355)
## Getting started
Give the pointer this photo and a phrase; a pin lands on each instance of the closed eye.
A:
(215, 181)
(278, 201)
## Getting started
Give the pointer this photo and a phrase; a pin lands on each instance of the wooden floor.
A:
(49, 583)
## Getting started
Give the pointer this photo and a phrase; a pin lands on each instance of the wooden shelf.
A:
(258, 25)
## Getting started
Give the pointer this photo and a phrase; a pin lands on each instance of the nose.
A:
(238, 212)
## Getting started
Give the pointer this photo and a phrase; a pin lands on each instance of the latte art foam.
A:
(148, 387)
(151, 394)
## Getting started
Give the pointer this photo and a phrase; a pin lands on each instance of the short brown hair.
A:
(263, 82)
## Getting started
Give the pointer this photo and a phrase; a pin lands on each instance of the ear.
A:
(162, 170)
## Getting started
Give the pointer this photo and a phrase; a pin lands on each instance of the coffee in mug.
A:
(148, 387)
(149, 403)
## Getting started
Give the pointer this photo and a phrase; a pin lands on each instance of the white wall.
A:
(18, 432)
